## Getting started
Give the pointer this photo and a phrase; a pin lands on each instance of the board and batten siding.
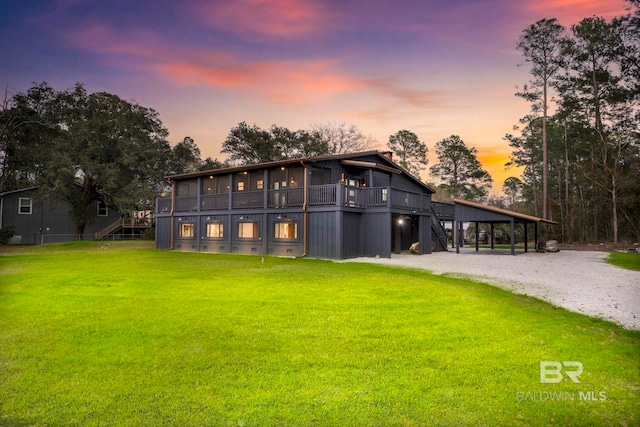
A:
(322, 237)
(377, 235)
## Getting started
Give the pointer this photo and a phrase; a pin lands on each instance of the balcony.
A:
(318, 195)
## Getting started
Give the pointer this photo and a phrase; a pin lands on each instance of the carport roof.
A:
(483, 213)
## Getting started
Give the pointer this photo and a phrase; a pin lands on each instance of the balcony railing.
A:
(323, 195)
(247, 200)
(215, 202)
(318, 195)
(286, 198)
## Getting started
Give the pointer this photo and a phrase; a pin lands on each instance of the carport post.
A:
(477, 237)
(513, 237)
(526, 237)
(492, 239)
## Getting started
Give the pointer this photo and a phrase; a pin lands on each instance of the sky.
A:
(434, 67)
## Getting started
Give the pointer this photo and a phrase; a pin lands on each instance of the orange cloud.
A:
(274, 18)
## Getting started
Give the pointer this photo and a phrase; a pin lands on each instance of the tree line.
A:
(580, 145)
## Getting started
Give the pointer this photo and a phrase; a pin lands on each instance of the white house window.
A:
(248, 230)
(215, 230)
(25, 206)
(187, 229)
(103, 209)
(286, 230)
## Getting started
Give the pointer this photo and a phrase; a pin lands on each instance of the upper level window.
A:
(241, 181)
(286, 230)
(25, 206)
(103, 209)
(320, 176)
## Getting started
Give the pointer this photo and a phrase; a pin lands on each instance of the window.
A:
(286, 230)
(25, 206)
(241, 181)
(248, 230)
(215, 230)
(103, 209)
(187, 229)
(320, 176)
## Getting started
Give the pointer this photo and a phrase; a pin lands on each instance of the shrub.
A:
(149, 234)
(6, 233)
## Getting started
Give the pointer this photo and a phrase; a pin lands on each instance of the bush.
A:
(6, 233)
(149, 234)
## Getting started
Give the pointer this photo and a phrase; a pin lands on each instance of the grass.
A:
(95, 335)
(626, 260)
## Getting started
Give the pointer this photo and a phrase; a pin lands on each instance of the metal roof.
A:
(384, 164)
(492, 209)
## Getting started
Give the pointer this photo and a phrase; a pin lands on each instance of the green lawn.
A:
(627, 260)
(122, 335)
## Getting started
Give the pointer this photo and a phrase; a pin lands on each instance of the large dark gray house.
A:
(334, 206)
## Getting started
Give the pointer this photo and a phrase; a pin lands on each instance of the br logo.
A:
(551, 372)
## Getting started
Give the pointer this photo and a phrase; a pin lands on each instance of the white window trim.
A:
(106, 208)
(20, 206)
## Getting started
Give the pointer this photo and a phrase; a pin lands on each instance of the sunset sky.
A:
(434, 67)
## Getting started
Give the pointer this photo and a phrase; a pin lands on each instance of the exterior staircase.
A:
(441, 212)
(123, 224)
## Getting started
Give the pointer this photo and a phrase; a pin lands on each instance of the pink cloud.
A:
(271, 18)
(286, 81)
(569, 12)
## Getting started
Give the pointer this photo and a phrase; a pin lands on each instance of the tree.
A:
(105, 149)
(596, 92)
(26, 127)
(210, 164)
(409, 151)
(512, 187)
(459, 169)
(185, 157)
(541, 44)
(249, 144)
(341, 138)
(593, 137)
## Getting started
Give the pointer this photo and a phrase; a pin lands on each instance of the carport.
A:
(466, 211)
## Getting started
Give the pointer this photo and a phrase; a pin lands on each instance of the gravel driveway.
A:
(580, 281)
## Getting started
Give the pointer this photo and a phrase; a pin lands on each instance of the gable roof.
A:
(20, 190)
(354, 159)
(493, 209)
